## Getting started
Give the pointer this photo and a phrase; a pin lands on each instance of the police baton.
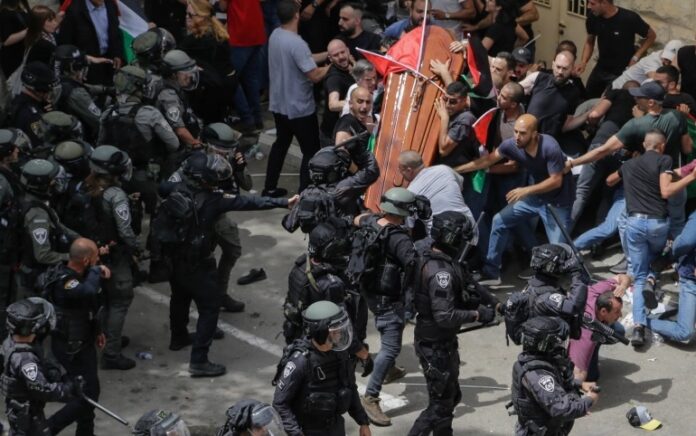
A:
(105, 410)
(478, 326)
(574, 249)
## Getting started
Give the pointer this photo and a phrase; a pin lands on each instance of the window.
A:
(577, 8)
(546, 3)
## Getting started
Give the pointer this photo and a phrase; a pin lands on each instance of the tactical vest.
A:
(75, 317)
(316, 205)
(327, 393)
(58, 241)
(529, 413)
(10, 385)
(520, 307)
(10, 220)
(120, 130)
(67, 86)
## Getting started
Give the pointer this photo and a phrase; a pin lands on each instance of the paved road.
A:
(659, 377)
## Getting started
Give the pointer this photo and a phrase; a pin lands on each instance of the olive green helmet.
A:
(398, 201)
(150, 46)
(221, 136)
(13, 138)
(177, 61)
(326, 321)
(57, 126)
(107, 159)
(73, 156)
(38, 174)
(131, 80)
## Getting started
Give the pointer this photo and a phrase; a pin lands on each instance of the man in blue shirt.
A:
(415, 19)
(542, 158)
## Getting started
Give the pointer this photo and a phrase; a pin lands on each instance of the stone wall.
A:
(671, 19)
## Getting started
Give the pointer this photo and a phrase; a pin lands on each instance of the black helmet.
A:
(37, 76)
(324, 321)
(451, 230)
(107, 159)
(209, 169)
(160, 422)
(544, 334)
(398, 201)
(177, 61)
(74, 157)
(37, 176)
(68, 59)
(31, 315)
(247, 415)
(57, 126)
(13, 138)
(549, 259)
(330, 241)
(150, 46)
(221, 137)
(328, 166)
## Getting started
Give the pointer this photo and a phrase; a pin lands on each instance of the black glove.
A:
(571, 265)
(368, 365)
(485, 314)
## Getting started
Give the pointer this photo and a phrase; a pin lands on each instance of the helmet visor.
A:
(341, 333)
(266, 422)
(188, 78)
(61, 180)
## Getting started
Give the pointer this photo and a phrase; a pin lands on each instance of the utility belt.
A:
(321, 409)
(383, 303)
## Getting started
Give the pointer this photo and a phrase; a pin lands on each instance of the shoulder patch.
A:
(443, 278)
(30, 371)
(94, 109)
(546, 382)
(123, 211)
(40, 235)
(289, 369)
(173, 113)
(556, 298)
(71, 284)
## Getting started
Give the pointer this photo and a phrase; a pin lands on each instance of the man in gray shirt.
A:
(291, 97)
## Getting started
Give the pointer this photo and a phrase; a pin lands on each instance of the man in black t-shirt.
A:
(352, 33)
(647, 185)
(614, 29)
(336, 84)
(668, 77)
(686, 62)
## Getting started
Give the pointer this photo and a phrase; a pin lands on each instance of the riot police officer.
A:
(544, 393)
(109, 167)
(140, 130)
(45, 240)
(23, 381)
(10, 219)
(315, 383)
(40, 90)
(180, 74)
(56, 127)
(381, 264)
(73, 157)
(160, 422)
(363, 171)
(74, 289)
(184, 226)
(251, 417)
(544, 295)
(151, 46)
(219, 138)
(445, 298)
(75, 98)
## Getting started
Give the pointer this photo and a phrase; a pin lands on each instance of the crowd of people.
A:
(105, 164)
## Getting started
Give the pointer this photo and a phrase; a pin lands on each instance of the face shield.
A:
(60, 182)
(49, 315)
(54, 93)
(188, 79)
(171, 426)
(341, 333)
(128, 172)
(225, 152)
(266, 422)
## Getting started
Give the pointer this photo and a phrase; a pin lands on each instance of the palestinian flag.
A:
(481, 127)
(132, 22)
(479, 74)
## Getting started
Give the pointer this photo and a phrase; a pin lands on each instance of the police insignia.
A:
(40, 235)
(36, 128)
(556, 298)
(281, 385)
(72, 284)
(289, 369)
(546, 383)
(443, 278)
(173, 113)
(30, 371)
(123, 211)
(94, 109)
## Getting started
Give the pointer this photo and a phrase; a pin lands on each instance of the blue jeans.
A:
(683, 328)
(390, 325)
(645, 238)
(514, 215)
(608, 228)
(247, 100)
(686, 241)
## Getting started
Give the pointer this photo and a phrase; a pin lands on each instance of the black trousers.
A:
(82, 363)
(306, 130)
(198, 283)
(440, 362)
(598, 81)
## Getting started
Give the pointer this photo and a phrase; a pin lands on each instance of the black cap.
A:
(522, 55)
(651, 90)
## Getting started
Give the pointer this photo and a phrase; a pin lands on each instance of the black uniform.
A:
(76, 100)
(10, 238)
(349, 190)
(27, 390)
(544, 395)
(25, 114)
(194, 273)
(314, 389)
(76, 300)
(445, 299)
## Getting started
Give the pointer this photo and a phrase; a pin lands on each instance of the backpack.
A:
(83, 214)
(368, 253)
(316, 205)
